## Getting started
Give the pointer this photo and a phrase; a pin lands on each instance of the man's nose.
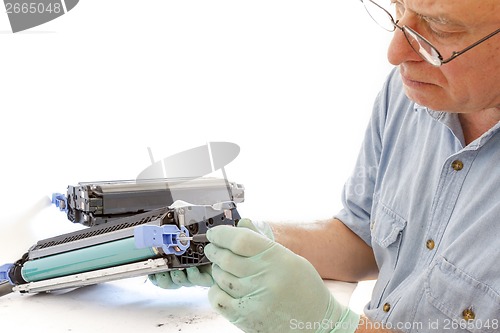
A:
(400, 50)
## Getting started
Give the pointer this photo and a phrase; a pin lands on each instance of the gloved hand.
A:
(260, 286)
(192, 276)
(202, 275)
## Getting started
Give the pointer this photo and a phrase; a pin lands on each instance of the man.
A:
(426, 223)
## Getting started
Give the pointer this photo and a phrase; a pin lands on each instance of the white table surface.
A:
(130, 305)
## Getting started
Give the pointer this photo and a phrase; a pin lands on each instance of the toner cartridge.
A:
(159, 240)
(93, 203)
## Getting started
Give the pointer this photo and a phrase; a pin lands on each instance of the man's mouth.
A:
(412, 81)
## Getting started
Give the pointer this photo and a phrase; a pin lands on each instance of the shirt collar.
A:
(450, 120)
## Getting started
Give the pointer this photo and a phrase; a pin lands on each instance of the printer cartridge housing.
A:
(145, 243)
(94, 203)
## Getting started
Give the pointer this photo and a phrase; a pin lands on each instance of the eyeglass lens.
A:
(422, 47)
(379, 15)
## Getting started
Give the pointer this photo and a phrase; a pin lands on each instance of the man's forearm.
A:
(334, 250)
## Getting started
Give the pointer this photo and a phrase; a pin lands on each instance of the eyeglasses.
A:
(418, 43)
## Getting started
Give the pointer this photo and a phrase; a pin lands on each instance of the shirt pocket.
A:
(387, 229)
(468, 305)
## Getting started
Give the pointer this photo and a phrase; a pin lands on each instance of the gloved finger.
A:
(163, 280)
(207, 269)
(247, 223)
(259, 227)
(179, 277)
(232, 285)
(196, 277)
(241, 241)
(224, 303)
(232, 263)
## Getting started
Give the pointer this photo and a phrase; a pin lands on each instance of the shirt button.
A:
(387, 307)
(468, 314)
(430, 244)
(457, 165)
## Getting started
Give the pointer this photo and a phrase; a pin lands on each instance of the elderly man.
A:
(426, 220)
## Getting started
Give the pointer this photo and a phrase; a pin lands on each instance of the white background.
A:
(291, 82)
(83, 97)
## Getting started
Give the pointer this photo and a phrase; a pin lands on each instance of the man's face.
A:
(468, 83)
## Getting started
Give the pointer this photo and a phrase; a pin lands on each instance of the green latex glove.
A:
(202, 275)
(192, 276)
(260, 286)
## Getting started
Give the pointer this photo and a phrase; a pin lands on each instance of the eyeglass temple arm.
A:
(455, 54)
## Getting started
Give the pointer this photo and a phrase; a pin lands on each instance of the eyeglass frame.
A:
(419, 38)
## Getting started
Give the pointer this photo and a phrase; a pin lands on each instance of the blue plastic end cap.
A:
(60, 201)
(4, 272)
(165, 236)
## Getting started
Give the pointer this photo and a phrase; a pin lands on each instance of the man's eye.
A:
(440, 32)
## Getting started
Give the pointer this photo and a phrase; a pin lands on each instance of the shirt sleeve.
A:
(358, 192)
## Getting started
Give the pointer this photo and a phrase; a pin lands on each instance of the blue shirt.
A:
(429, 206)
